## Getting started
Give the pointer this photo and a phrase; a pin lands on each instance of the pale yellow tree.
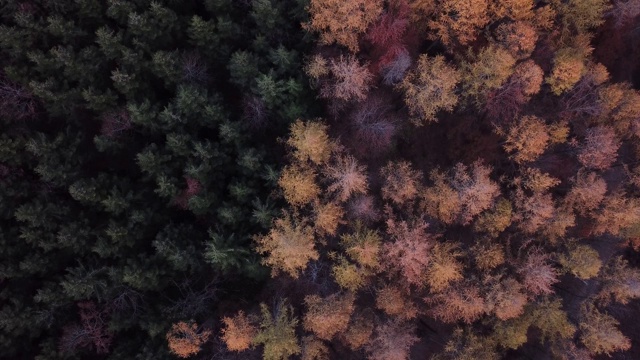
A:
(288, 246)
(278, 332)
(600, 333)
(486, 71)
(310, 141)
(430, 88)
(298, 184)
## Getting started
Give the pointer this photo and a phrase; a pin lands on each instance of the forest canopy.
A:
(319, 179)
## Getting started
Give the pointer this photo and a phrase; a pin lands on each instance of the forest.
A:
(320, 179)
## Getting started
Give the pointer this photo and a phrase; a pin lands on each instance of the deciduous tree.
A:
(429, 88)
(599, 148)
(342, 21)
(277, 332)
(238, 332)
(347, 177)
(288, 247)
(600, 333)
(392, 341)
(328, 316)
(527, 139)
(186, 339)
(459, 21)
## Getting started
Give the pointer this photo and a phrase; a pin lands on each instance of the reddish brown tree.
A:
(91, 332)
(599, 148)
(238, 332)
(409, 253)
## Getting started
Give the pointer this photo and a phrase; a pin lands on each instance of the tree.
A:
(314, 349)
(624, 11)
(461, 302)
(350, 81)
(620, 282)
(409, 253)
(519, 38)
(459, 21)
(506, 298)
(359, 331)
(186, 338)
(310, 141)
(238, 332)
(504, 104)
(429, 88)
(347, 177)
(582, 261)
(528, 139)
(495, 220)
(599, 332)
(299, 185)
(587, 193)
(392, 341)
(568, 68)
(289, 246)
(91, 332)
(16, 102)
(460, 195)
(537, 274)
(326, 317)
(342, 21)
(374, 127)
(444, 267)
(277, 332)
(616, 213)
(395, 302)
(580, 16)
(488, 70)
(386, 34)
(401, 182)
(327, 217)
(599, 149)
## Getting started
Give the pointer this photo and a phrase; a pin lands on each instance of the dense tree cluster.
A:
(319, 179)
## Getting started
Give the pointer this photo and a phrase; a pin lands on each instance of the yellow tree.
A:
(429, 88)
(310, 141)
(487, 71)
(568, 68)
(278, 332)
(395, 301)
(288, 246)
(444, 267)
(519, 38)
(600, 333)
(298, 184)
(342, 21)
(581, 260)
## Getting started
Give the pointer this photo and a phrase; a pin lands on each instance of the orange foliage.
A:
(401, 182)
(528, 139)
(568, 68)
(506, 299)
(289, 246)
(600, 332)
(459, 303)
(310, 141)
(238, 332)
(444, 267)
(298, 184)
(327, 217)
(359, 331)
(185, 339)
(514, 9)
(587, 192)
(459, 21)
(328, 316)
(519, 38)
(342, 21)
(393, 301)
